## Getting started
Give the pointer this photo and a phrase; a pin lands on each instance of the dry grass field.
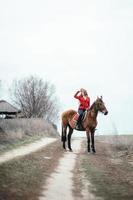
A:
(22, 178)
(20, 131)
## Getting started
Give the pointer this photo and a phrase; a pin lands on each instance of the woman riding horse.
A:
(84, 104)
(89, 124)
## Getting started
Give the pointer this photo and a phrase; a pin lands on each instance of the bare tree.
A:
(36, 98)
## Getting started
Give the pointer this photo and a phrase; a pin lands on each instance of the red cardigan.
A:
(84, 103)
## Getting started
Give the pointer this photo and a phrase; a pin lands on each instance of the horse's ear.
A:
(101, 97)
(97, 97)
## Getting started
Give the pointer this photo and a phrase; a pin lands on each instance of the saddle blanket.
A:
(75, 118)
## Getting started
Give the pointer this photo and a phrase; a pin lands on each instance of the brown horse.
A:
(89, 123)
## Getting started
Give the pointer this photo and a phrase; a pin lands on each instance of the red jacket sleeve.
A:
(76, 95)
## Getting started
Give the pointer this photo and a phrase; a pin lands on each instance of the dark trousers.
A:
(80, 112)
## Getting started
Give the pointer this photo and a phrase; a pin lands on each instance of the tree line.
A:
(35, 98)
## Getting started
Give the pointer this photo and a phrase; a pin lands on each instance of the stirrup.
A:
(77, 127)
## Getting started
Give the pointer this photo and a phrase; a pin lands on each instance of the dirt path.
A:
(59, 185)
(27, 149)
(47, 174)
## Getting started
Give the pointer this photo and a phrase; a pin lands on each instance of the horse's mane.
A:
(92, 106)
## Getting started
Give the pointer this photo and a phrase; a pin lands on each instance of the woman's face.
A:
(84, 93)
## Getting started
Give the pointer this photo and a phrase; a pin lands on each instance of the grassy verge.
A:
(23, 178)
(109, 181)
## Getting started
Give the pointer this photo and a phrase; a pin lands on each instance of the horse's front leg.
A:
(88, 140)
(93, 141)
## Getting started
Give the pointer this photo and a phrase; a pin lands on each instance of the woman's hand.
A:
(81, 90)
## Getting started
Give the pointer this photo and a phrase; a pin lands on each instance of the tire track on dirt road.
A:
(60, 184)
(27, 149)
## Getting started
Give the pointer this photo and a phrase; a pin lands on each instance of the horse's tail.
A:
(62, 134)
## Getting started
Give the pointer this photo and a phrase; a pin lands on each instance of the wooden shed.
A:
(7, 110)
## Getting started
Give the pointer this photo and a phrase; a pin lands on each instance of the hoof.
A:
(93, 152)
(70, 150)
(64, 148)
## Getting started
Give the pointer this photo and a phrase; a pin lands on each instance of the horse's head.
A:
(101, 106)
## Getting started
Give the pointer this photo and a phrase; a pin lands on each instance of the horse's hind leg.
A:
(64, 132)
(69, 138)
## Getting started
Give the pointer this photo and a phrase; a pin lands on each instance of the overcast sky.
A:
(73, 44)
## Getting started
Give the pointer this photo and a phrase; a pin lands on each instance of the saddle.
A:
(75, 119)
